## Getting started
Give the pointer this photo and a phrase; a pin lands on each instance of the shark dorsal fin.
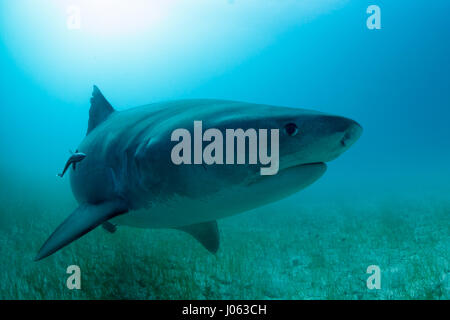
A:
(99, 111)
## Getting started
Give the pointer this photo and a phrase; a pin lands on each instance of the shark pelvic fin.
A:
(85, 218)
(99, 111)
(110, 227)
(207, 233)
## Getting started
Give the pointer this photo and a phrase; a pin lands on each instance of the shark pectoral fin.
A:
(207, 233)
(85, 218)
(74, 166)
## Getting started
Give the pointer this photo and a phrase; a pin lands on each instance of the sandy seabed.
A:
(286, 250)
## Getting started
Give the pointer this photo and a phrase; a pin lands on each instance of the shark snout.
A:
(352, 133)
(336, 135)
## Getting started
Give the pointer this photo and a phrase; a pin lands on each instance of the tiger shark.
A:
(127, 176)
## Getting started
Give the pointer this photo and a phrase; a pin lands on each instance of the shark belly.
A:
(179, 211)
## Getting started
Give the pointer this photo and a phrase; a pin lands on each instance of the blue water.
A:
(311, 54)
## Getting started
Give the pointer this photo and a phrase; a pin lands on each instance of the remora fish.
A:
(73, 160)
(128, 177)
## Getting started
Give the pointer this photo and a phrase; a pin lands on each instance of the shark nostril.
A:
(351, 135)
(346, 138)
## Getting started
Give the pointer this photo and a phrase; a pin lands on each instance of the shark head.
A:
(307, 141)
(309, 137)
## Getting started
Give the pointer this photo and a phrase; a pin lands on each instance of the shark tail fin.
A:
(99, 111)
(207, 233)
(85, 218)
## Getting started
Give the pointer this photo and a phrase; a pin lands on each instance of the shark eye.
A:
(291, 129)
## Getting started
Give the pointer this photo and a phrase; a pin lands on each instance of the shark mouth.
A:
(306, 166)
(300, 174)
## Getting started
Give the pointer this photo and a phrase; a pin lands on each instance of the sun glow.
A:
(115, 17)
